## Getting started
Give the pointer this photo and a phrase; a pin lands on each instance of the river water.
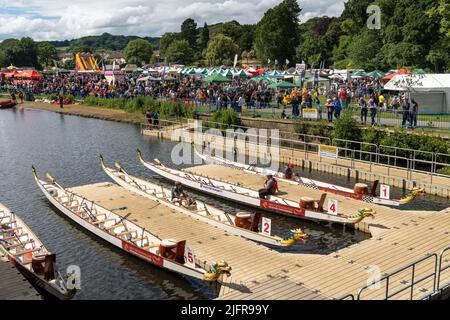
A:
(68, 148)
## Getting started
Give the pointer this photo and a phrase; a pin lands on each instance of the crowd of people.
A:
(241, 93)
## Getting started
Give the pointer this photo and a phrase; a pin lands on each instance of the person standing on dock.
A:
(270, 187)
(61, 101)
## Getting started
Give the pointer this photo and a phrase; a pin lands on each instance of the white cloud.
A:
(51, 20)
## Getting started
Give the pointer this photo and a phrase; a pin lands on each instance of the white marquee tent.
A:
(431, 91)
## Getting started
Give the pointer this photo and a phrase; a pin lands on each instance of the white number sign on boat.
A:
(126, 235)
(245, 225)
(361, 191)
(307, 208)
(26, 252)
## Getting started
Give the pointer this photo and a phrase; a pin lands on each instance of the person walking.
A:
(414, 113)
(330, 108)
(364, 111)
(61, 101)
(373, 111)
(337, 106)
(406, 107)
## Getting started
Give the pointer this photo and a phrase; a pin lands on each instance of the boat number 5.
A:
(190, 257)
(267, 226)
(333, 206)
(73, 277)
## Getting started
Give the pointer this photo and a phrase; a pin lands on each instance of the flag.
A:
(235, 61)
(268, 61)
(312, 67)
(287, 61)
(276, 61)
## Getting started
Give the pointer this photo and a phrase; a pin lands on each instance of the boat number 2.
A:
(333, 206)
(267, 226)
(385, 191)
(190, 257)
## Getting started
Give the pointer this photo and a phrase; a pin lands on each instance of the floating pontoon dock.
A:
(399, 238)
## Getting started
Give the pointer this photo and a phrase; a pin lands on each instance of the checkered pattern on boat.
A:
(368, 199)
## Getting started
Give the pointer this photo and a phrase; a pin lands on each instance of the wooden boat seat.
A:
(19, 244)
(125, 233)
(14, 236)
(103, 221)
(10, 230)
(6, 223)
(99, 215)
(138, 239)
(152, 245)
(25, 252)
(114, 227)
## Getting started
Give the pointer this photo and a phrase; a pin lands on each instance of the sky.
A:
(63, 19)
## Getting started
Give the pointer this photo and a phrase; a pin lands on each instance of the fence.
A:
(438, 266)
(427, 163)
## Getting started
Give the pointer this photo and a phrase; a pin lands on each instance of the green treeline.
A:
(413, 34)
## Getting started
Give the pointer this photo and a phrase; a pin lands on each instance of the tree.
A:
(21, 53)
(276, 35)
(180, 52)
(221, 50)
(138, 51)
(204, 37)
(189, 32)
(46, 54)
(166, 39)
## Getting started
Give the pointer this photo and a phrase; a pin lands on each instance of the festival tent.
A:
(376, 74)
(227, 73)
(274, 73)
(419, 71)
(216, 78)
(359, 74)
(282, 84)
(431, 91)
(392, 75)
(240, 73)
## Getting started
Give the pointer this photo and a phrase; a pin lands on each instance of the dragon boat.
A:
(360, 192)
(28, 254)
(307, 208)
(168, 254)
(243, 224)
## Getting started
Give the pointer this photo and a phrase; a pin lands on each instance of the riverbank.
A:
(89, 112)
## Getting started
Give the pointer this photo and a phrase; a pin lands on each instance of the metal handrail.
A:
(351, 296)
(375, 156)
(438, 281)
(413, 280)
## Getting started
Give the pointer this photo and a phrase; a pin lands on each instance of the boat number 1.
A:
(385, 191)
(266, 226)
(190, 257)
(333, 207)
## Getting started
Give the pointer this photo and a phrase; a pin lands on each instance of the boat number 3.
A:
(267, 226)
(73, 277)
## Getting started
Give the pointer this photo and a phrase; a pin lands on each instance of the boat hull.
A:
(132, 249)
(228, 228)
(263, 204)
(7, 105)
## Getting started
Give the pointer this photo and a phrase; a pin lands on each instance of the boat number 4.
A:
(190, 257)
(266, 226)
(385, 191)
(333, 207)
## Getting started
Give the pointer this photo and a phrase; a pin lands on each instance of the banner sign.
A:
(328, 152)
(310, 114)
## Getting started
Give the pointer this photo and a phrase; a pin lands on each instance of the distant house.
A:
(63, 57)
(115, 56)
(129, 68)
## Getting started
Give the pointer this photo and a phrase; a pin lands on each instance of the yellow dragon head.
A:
(296, 235)
(217, 269)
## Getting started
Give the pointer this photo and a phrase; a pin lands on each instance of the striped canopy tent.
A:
(213, 71)
(181, 71)
(392, 75)
(282, 84)
(296, 73)
(241, 73)
(191, 71)
(419, 71)
(359, 74)
(376, 74)
(216, 78)
(285, 73)
(274, 73)
(259, 78)
(205, 71)
(227, 73)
